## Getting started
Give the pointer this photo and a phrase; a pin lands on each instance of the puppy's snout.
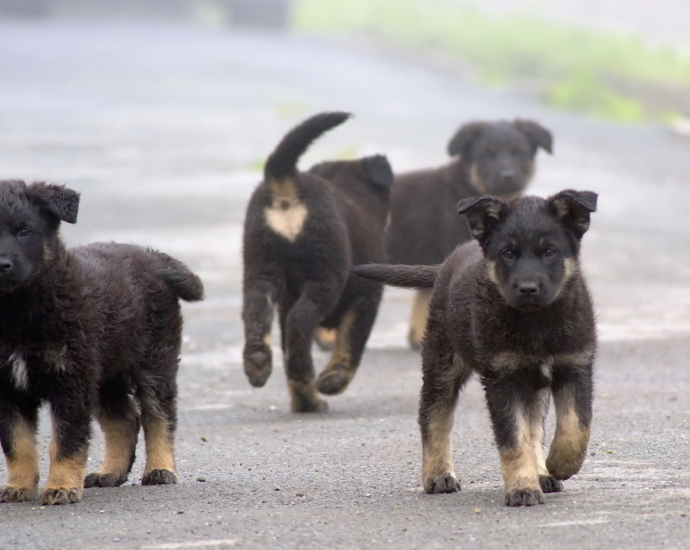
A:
(6, 265)
(528, 289)
(508, 175)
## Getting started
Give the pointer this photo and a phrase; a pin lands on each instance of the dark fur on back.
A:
(86, 330)
(513, 307)
(302, 232)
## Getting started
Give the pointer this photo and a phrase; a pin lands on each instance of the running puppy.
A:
(513, 307)
(302, 233)
(93, 330)
(490, 158)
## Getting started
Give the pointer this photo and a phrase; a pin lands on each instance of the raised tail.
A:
(186, 284)
(408, 276)
(282, 162)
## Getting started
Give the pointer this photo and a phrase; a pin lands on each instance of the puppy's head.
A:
(531, 244)
(499, 156)
(30, 217)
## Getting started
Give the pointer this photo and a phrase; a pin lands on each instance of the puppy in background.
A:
(302, 233)
(490, 158)
(94, 330)
(512, 306)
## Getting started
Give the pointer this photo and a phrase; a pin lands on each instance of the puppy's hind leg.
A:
(119, 420)
(444, 375)
(418, 317)
(352, 337)
(259, 297)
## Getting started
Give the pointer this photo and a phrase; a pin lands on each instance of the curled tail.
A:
(408, 276)
(282, 162)
(186, 284)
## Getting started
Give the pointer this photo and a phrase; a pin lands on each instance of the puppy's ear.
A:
(573, 208)
(379, 171)
(484, 214)
(463, 138)
(61, 202)
(536, 134)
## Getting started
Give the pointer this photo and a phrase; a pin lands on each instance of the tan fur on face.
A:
(570, 441)
(120, 440)
(476, 181)
(22, 467)
(287, 214)
(419, 317)
(519, 464)
(65, 472)
(159, 446)
(570, 268)
(492, 274)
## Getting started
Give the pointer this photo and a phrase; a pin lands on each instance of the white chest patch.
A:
(20, 373)
(286, 218)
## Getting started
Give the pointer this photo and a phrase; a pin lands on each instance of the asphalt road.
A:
(163, 129)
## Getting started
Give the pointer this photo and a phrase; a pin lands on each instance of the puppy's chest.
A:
(31, 370)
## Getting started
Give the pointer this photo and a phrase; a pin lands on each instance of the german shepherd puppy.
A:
(513, 307)
(93, 330)
(302, 233)
(490, 158)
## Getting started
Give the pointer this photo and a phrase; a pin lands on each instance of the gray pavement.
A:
(163, 129)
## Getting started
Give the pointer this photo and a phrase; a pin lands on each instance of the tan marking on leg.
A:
(22, 467)
(325, 337)
(305, 397)
(120, 441)
(339, 371)
(537, 415)
(519, 464)
(570, 441)
(287, 214)
(419, 317)
(437, 460)
(65, 472)
(159, 446)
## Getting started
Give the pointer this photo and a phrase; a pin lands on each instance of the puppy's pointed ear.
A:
(379, 170)
(484, 214)
(61, 202)
(573, 208)
(461, 142)
(536, 134)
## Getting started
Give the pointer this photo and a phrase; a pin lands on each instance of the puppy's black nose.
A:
(5, 265)
(528, 289)
(508, 175)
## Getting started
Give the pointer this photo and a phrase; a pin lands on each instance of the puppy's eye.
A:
(508, 254)
(549, 253)
(23, 233)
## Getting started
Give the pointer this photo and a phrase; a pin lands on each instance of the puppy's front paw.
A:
(103, 480)
(550, 484)
(334, 380)
(524, 497)
(447, 483)
(61, 495)
(258, 365)
(159, 477)
(17, 494)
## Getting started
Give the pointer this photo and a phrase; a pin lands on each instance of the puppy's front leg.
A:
(68, 452)
(18, 436)
(259, 297)
(510, 402)
(572, 394)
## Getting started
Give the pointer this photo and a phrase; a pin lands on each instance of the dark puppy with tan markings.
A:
(490, 158)
(94, 330)
(513, 307)
(302, 233)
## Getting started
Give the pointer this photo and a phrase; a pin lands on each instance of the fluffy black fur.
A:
(302, 232)
(513, 307)
(490, 158)
(94, 330)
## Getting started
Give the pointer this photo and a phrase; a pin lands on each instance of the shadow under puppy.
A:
(490, 158)
(512, 306)
(302, 233)
(90, 330)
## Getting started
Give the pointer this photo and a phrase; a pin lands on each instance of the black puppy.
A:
(512, 306)
(302, 232)
(91, 330)
(491, 158)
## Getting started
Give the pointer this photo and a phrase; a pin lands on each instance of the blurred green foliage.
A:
(604, 75)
